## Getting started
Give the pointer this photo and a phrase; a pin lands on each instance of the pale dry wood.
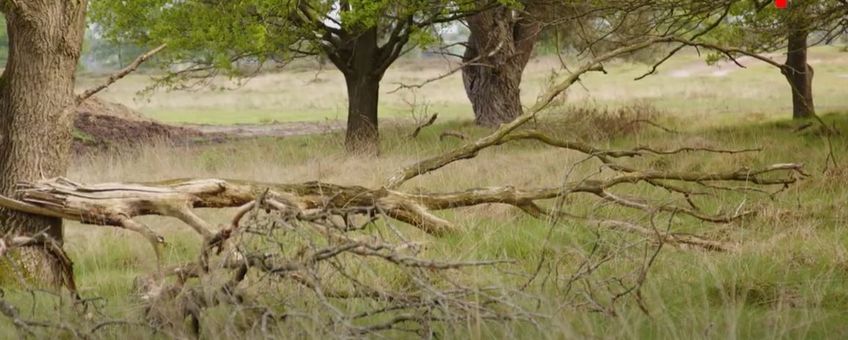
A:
(423, 125)
(116, 204)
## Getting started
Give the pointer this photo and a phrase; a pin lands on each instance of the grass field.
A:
(788, 278)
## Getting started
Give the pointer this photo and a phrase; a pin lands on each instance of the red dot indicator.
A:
(780, 3)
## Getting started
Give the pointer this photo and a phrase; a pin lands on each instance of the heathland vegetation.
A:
(706, 200)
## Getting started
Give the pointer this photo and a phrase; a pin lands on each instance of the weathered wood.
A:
(116, 204)
(113, 203)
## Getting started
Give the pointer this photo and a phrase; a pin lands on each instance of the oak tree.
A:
(36, 89)
(499, 46)
(362, 38)
(756, 27)
(503, 38)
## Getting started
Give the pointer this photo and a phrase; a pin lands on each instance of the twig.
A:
(472, 62)
(654, 124)
(425, 124)
(455, 134)
(802, 127)
(469, 150)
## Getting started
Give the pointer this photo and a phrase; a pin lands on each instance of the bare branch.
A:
(470, 150)
(120, 74)
(455, 134)
(425, 124)
(116, 204)
(472, 62)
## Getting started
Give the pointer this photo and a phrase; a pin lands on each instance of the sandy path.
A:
(719, 69)
(269, 130)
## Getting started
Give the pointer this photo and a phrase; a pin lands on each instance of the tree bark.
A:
(363, 72)
(45, 39)
(362, 135)
(799, 74)
(499, 48)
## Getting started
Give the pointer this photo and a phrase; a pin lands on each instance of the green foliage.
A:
(423, 38)
(229, 36)
(760, 27)
(212, 33)
(4, 42)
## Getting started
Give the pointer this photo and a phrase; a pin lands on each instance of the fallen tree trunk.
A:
(117, 204)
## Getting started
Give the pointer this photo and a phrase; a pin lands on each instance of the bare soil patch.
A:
(269, 130)
(101, 125)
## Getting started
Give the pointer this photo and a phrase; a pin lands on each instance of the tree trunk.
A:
(363, 73)
(499, 48)
(36, 92)
(362, 96)
(799, 74)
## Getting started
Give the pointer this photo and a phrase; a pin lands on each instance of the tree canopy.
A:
(759, 26)
(362, 38)
(756, 26)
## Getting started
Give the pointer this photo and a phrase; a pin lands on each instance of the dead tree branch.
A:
(120, 74)
(425, 124)
(470, 150)
(454, 134)
(117, 204)
(472, 62)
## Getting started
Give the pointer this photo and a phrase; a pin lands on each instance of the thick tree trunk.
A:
(45, 38)
(363, 72)
(500, 45)
(799, 74)
(362, 130)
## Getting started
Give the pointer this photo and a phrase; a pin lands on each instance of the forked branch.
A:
(471, 149)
